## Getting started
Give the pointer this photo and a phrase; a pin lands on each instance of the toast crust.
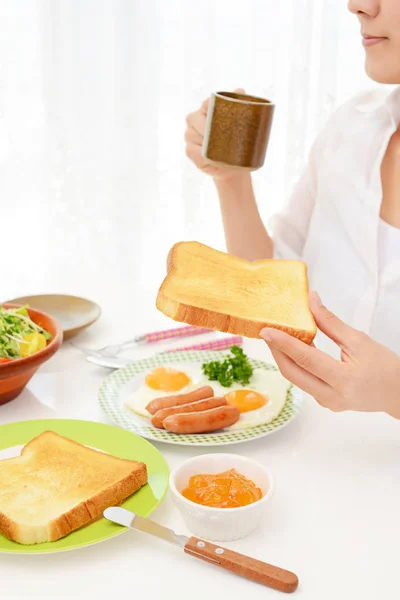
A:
(202, 317)
(219, 321)
(83, 512)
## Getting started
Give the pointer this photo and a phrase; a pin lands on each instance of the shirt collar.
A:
(374, 101)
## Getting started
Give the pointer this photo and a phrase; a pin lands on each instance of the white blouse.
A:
(332, 221)
(388, 244)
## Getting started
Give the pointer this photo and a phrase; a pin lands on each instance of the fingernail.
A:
(265, 334)
(317, 299)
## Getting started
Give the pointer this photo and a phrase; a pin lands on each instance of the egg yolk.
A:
(246, 400)
(167, 379)
(229, 489)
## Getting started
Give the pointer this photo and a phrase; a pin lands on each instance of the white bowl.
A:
(221, 524)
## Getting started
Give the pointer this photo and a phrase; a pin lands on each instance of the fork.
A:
(113, 362)
(113, 350)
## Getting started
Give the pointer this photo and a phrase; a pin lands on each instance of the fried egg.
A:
(259, 401)
(161, 382)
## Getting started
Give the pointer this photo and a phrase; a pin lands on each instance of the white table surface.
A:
(334, 518)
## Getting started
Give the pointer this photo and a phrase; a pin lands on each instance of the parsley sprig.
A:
(232, 368)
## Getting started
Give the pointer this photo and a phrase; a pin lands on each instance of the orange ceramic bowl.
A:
(14, 375)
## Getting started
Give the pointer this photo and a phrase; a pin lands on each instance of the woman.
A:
(343, 220)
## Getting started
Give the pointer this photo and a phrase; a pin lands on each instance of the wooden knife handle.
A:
(242, 565)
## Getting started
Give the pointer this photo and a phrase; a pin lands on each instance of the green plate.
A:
(113, 440)
(117, 387)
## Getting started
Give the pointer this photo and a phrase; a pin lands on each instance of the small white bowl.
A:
(221, 524)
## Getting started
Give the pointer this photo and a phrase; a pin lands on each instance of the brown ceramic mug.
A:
(237, 130)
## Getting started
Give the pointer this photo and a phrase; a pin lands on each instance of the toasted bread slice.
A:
(212, 289)
(57, 485)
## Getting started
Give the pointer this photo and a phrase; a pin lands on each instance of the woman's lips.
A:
(370, 40)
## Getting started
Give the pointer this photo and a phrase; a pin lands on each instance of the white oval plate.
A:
(117, 387)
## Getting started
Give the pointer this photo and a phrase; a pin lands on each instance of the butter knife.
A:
(250, 568)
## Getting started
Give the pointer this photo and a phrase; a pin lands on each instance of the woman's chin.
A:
(377, 72)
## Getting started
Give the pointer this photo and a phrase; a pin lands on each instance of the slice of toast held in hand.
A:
(57, 485)
(212, 289)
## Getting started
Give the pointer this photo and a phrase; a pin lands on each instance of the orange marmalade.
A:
(229, 489)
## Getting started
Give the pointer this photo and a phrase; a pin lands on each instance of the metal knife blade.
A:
(124, 517)
(109, 361)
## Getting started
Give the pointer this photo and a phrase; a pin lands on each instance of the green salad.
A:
(19, 335)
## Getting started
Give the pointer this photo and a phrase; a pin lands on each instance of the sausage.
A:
(202, 422)
(178, 399)
(198, 406)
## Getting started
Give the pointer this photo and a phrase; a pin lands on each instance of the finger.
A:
(193, 137)
(197, 121)
(330, 324)
(307, 357)
(204, 106)
(193, 152)
(323, 393)
(239, 91)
